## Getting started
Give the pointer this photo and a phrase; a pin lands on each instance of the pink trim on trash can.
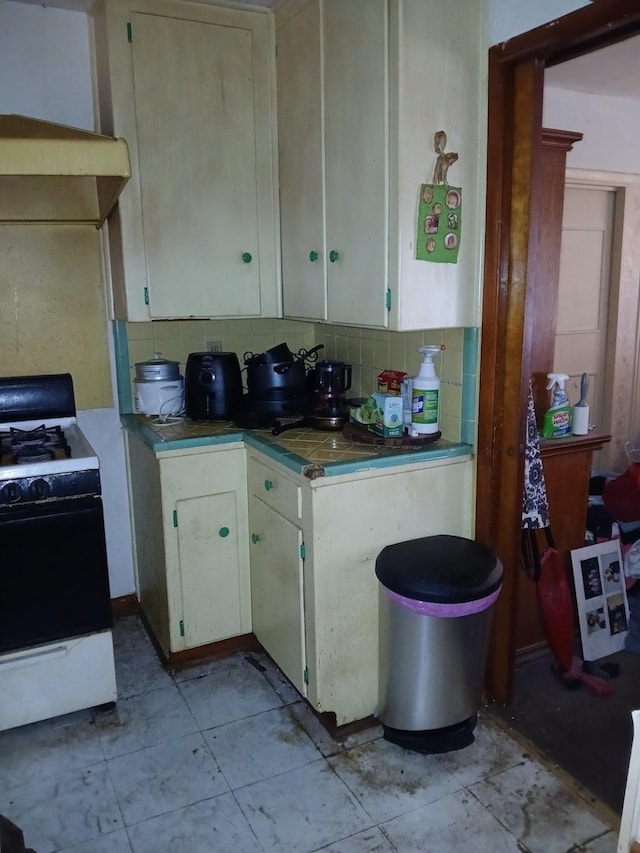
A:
(444, 610)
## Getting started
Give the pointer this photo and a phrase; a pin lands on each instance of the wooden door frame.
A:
(516, 82)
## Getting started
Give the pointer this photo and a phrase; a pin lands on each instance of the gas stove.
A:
(56, 650)
(43, 459)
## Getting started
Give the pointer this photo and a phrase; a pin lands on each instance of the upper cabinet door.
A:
(392, 74)
(332, 137)
(196, 137)
(191, 87)
(301, 148)
(355, 43)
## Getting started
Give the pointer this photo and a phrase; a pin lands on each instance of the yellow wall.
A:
(52, 308)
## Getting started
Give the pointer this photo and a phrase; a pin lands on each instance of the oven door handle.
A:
(33, 657)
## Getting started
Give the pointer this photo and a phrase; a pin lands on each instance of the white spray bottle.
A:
(425, 397)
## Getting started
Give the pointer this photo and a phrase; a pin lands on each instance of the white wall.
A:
(45, 67)
(611, 128)
(45, 72)
(508, 18)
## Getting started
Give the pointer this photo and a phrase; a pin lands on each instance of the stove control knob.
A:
(12, 492)
(39, 489)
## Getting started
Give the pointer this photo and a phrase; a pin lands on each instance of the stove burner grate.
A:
(41, 444)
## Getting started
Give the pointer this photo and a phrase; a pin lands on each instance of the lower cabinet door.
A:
(209, 568)
(277, 591)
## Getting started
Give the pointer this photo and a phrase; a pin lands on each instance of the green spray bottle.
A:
(557, 418)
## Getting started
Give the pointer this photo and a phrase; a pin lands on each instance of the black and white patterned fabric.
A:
(535, 506)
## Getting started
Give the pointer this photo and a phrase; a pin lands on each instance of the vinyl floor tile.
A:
(489, 754)
(305, 717)
(138, 670)
(210, 826)
(389, 781)
(234, 690)
(165, 777)
(261, 746)
(144, 720)
(46, 750)
(302, 810)
(114, 842)
(607, 843)
(368, 841)
(456, 822)
(533, 804)
(76, 807)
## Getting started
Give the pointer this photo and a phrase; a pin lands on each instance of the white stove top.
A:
(83, 456)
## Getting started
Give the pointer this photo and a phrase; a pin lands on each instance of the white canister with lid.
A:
(159, 387)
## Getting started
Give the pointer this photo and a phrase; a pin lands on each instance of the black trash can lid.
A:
(444, 569)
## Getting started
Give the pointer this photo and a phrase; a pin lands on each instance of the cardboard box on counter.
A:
(390, 382)
(381, 414)
(388, 411)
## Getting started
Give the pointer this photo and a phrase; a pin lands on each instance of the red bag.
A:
(556, 607)
(621, 497)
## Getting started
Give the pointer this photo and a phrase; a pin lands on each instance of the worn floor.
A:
(587, 735)
(225, 757)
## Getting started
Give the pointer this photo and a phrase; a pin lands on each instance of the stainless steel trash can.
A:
(436, 597)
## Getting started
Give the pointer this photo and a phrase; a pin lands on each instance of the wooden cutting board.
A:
(358, 432)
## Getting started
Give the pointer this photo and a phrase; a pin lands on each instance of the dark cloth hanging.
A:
(535, 504)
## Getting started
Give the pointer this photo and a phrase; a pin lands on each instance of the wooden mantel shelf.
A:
(573, 444)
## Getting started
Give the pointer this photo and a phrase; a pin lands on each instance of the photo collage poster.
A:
(601, 599)
(439, 223)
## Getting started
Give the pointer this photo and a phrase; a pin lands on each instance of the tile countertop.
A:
(327, 453)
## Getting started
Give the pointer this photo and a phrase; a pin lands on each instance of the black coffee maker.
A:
(330, 381)
(212, 386)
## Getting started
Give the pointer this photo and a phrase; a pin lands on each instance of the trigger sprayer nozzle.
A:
(556, 379)
(429, 350)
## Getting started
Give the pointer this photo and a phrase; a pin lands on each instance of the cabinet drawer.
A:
(276, 490)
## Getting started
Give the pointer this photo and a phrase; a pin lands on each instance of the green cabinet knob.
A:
(246, 257)
(333, 256)
(268, 485)
(255, 538)
(224, 531)
(313, 256)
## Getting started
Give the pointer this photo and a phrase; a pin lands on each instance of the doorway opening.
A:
(516, 83)
(510, 314)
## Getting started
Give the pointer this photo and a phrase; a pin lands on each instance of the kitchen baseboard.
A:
(125, 605)
(177, 661)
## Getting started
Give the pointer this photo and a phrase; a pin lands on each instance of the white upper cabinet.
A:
(191, 88)
(332, 107)
(356, 108)
(363, 87)
(300, 140)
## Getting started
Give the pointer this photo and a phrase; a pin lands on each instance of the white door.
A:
(301, 164)
(277, 599)
(356, 138)
(194, 101)
(583, 295)
(210, 580)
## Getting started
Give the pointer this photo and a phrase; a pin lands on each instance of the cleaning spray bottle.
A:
(425, 396)
(557, 419)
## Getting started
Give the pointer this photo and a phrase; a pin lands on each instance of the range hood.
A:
(53, 173)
